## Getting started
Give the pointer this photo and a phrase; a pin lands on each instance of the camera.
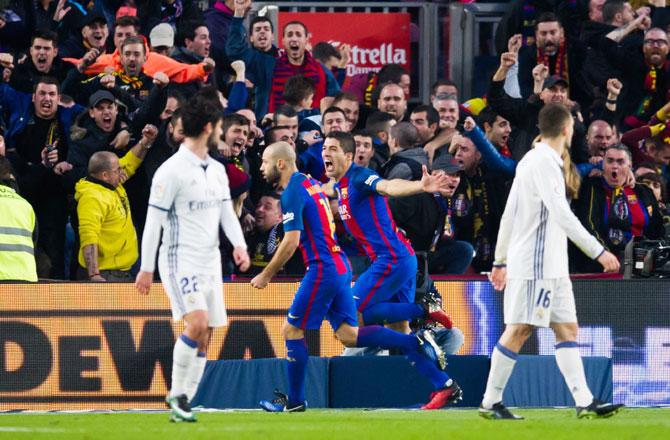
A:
(647, 258)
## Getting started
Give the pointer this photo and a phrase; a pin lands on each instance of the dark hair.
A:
(271, 194)
(364, 132)
(128, 20)
(234, 119)
(298, 88)
(323, 51)
(332, 109)
(345, 96)
(176, 115)
(294, 22)
(260, 19)
(200, 110)
(45, 34)
(176, 94)
(552, 119)
(187, 31)
(134, 40)
(487, 116)
(346, 140)
(547, 17)
(612, 8)
(441, 82)
(391, 73)
(284, 110)
(378, 121)
(405, 134)
(46, 80)
(432, 116)
(271, 134)
(6, 173)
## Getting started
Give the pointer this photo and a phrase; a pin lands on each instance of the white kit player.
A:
(531, 264)
(189, 199)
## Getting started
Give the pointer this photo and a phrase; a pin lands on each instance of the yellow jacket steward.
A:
(105, 220)
(17, 224)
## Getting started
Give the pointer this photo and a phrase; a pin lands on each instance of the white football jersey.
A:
(196, 197)
(532, 239)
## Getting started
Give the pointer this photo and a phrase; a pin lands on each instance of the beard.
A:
(272, 175)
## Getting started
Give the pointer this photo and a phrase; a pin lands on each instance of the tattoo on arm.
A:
(91, 259)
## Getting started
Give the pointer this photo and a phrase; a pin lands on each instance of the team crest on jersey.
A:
(632, 199)
(287, 217)
(461, 206)
(159, 192)
(343, 193)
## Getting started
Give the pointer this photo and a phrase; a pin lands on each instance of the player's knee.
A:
(292, 332)
(347, 338)
(519, 332)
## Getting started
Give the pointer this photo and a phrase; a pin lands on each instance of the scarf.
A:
(560, 64)
(446, 229)
(624, 216)
(310, 68)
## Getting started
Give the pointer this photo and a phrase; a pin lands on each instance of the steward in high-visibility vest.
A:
(17, 226)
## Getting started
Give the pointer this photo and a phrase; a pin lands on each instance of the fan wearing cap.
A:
(93, 35)
(523, 114)
(161, 39)
(428, 221)
(614, 212)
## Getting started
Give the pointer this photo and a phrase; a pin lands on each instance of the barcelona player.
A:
(384, 293)
(325, 291)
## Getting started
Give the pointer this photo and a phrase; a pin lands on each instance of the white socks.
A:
(194, 375)
(183, 357)
(502, 364)
(570, 363)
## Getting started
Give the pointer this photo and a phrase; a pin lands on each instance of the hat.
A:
(92, 18)
(99, 96)
(447, 163)
(553, 80)
(162, 35)
(238, 181)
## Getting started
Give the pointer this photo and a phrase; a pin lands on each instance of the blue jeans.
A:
(449, 340)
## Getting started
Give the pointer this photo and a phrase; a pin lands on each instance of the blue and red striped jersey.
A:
(306, 208)
(367, 216)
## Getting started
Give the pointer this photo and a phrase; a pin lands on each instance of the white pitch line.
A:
(28, 429)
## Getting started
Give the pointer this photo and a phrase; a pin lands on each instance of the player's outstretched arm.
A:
(284, 253)
(403, 188)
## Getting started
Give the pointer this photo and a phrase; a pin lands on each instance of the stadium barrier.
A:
(106, 346)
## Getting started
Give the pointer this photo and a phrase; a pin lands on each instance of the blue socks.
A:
(428, 368)
(297, 366)
(378, 336)
(385, 313)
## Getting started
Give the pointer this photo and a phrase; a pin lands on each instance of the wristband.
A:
(611, 101)
(499, 265)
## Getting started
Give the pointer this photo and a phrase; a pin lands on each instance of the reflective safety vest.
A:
(17, 223)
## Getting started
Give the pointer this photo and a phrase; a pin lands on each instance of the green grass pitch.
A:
(540, 424)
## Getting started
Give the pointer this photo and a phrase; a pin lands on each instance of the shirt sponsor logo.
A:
(199, 205)
(288, 217)
(344, 213)
(159, 192)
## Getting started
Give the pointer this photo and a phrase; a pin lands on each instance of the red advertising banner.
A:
(376, 39)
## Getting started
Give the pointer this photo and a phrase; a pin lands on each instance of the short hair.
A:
(345, 96)
(384, 85)
(284, 110)
(611, 8)
(323, 51)
(547, 17)
(128, 20)
(46, 80)
(272, 194)
(297, 89)
(378, 121)
(295, 22)
(432, 116)
(201, 109)
(441, 82)
(332, 109)
(100, 161)
(487, 116)
(621, 147)
(134, 40)
(260, 19)
(552, 119)
(364, 132)
(187, 31)
(6, 171)
(405, 134)
(45, 34)
(346, 140)
(234, 119)
(391, 73)
(271, 134)
(446, 97)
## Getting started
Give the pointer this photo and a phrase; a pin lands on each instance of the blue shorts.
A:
(323, 294)
(385, 281)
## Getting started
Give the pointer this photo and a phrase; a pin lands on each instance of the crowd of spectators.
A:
(90, 107)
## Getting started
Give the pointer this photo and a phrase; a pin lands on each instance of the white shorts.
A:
(539, 302)
(191, 291)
